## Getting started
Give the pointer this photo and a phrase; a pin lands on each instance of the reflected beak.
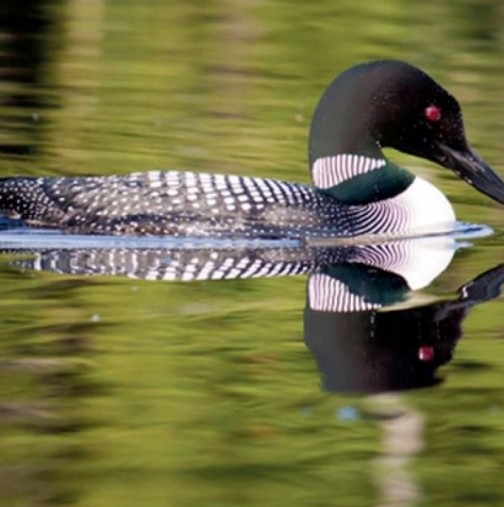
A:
(469, 166)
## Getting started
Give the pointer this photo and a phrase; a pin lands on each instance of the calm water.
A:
(124, 391)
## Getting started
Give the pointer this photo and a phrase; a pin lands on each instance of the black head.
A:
(393, 104)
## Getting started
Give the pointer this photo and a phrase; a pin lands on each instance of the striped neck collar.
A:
(359, 179)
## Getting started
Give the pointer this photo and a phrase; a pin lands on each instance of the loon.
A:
(356, 190)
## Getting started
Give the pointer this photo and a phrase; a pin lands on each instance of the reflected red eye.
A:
(433, 113)
(426, 353)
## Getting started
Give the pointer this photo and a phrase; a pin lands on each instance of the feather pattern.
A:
(328, 172)
(188, 204)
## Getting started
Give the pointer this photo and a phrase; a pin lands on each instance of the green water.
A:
(126, 392)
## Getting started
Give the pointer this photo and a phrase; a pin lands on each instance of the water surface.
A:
(124, 391)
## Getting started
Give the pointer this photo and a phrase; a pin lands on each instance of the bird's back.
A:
(172, 203)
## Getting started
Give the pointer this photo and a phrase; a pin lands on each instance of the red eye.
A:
(433, 113)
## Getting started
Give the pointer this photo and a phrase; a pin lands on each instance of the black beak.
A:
(469, 166)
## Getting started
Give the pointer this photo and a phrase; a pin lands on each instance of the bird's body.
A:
(356, 190)
(173, 203)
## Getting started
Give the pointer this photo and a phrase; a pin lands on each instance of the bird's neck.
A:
(348, 163)
(346, 159)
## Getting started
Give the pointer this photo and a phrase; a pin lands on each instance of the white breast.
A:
(421, 209)
(428, 210)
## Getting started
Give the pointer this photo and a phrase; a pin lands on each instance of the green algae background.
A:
(125, 392)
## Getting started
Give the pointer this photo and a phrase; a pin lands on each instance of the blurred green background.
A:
(125, 392)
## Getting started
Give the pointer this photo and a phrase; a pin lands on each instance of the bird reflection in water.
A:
(361, 323)
(369, 350)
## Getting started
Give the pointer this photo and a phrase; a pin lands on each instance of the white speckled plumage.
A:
(197, 204)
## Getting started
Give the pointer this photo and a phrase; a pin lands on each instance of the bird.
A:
(356, 190)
